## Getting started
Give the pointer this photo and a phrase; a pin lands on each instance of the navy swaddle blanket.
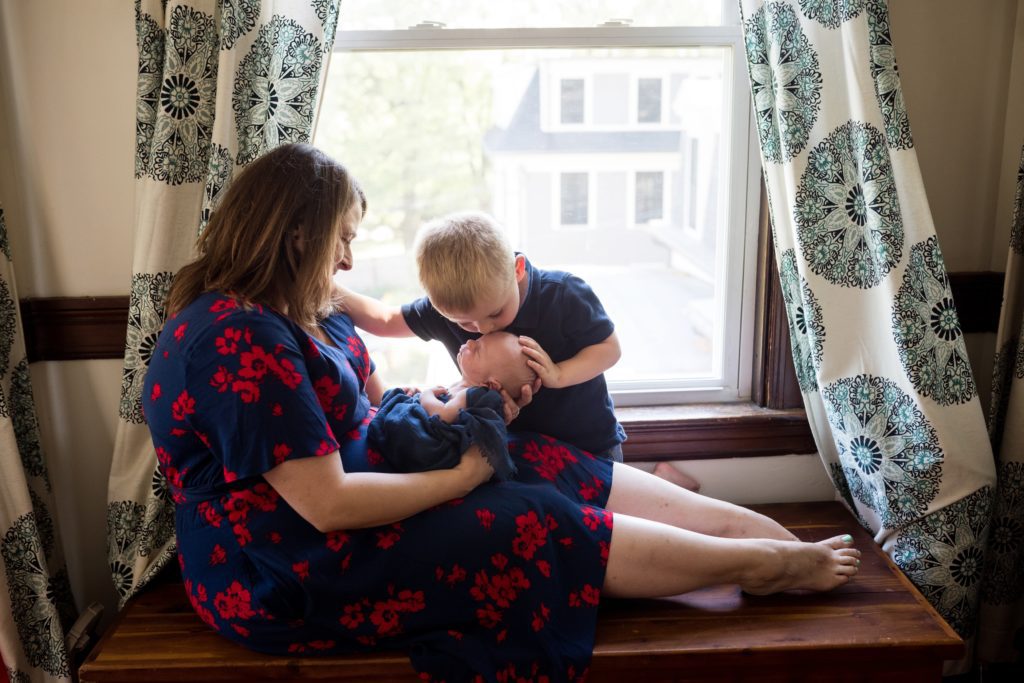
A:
(411, 440)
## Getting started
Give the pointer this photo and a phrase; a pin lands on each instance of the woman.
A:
(293, 536)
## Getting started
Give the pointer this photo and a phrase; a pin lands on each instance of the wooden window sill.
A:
(713, 430)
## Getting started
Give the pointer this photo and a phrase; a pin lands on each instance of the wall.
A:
(67, 83)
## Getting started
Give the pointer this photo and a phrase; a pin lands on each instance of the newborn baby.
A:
(430, 430)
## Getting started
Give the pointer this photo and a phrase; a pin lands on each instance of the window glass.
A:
(571, 100)
(650, 196)
(574, 198)
(648, 105)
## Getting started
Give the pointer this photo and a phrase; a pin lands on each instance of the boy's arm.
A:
(590, 362)
(374, 388)
(373, 315)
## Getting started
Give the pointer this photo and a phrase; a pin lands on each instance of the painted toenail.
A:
(847, 538)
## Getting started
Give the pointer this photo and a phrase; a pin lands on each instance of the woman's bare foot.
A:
(790, 565)
(671, 474)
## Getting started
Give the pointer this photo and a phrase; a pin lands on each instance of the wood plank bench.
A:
(877, 628)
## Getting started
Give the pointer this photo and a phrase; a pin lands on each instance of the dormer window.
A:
(648, 100)
(571, 100)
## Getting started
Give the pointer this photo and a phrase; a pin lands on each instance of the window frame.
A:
(734, 344)
(556, 206)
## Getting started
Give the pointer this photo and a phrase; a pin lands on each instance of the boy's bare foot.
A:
(793, 565)
(669, 473)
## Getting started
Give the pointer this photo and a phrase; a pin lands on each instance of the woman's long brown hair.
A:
(249, 247)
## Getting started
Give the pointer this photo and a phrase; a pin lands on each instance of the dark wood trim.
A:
(701, 432)
(774, 383)
(75, 328)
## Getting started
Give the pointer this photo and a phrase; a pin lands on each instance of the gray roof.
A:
(524, 134)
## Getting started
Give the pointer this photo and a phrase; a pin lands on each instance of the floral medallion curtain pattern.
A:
(36, 606)
(880, 356)
(1001, 634)
(220, 82)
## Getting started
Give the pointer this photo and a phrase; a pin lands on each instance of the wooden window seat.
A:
(877, 628)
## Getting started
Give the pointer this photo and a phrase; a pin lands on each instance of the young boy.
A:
(476, 284)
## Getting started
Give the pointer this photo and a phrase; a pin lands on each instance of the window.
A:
(551, 121)
(648, 100)
(572, 100)
(650, 196)
(574, 198)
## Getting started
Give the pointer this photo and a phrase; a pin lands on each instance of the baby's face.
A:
(496, 356)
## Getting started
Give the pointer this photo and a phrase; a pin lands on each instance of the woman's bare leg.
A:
(651, 559)
(637, 493)
(676, 476)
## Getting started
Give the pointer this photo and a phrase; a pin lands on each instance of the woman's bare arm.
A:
(326, 496)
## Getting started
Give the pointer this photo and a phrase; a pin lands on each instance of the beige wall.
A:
(67, 87)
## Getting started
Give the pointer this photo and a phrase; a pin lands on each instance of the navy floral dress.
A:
(501, 585)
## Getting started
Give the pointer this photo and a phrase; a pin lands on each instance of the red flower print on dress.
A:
(249, 392)
(218, 555)
(352, 615)
(548, 458)
(336, 540)
(590, 491)
(209, 513)
(486, 518)
(456, 575)
(234, 603)
(540, 619)
(183, 406)
(274, 537)
(253, 364)
(229, 476)
(326, 448)
(501, 589)
(605, 550)
(488, 616)
(221, 305)
(241, 630)
(531, 535)
(373, 457)
(197, 597)
(281, 453)
(277, 410)
(285, 371)
(326, 390)
(587, 596)
(227, 343)
(154, 394)
(179, 331)
(386, 615)
(595, 517)
(544, 567)
(386, 539)
(301, 569)
(222, 380)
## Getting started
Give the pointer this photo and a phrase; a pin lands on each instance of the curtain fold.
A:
(1001, 634)
(879, 351)
(220, 82)
(36, 605)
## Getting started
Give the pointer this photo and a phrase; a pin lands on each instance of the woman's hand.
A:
(538, 359)
(475, 467)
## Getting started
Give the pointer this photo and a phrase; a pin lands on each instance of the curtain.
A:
(220, 82)
(1001, 636)
(879, 351)
(36, 606)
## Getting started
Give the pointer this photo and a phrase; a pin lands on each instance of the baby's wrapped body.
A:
(412, 440)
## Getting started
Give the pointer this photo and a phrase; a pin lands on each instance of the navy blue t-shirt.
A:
(564, 315)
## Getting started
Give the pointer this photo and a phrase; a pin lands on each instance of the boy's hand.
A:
(548, 371)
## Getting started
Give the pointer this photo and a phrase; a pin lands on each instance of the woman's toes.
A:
(839, 542)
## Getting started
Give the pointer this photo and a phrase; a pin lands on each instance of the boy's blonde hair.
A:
(463, 257)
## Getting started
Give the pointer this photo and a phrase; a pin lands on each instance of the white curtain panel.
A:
(220, 82)
(1001, 633)
(879, 351)
(36, 606)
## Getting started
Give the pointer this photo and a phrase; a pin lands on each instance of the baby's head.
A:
(498, 358)
(469, 271)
